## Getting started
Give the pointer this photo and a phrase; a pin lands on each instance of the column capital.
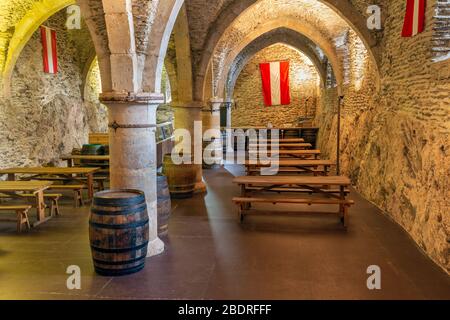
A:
(131, 97)
(228, 103)
(217, 100)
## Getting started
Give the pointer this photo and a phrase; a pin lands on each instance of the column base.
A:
(155, 247)
(200, 187)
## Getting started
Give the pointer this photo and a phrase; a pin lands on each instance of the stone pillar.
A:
(211, 123)
(228, 105)
(186, 114)
(132, 143)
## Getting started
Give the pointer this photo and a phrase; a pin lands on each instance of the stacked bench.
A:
(287, 172)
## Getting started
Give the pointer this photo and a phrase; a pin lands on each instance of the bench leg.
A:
(54, 208)
(22, 218)
(75, 199)
(240, 215)
(78, 198)
(344, 216)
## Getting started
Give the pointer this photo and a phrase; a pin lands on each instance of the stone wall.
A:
(395, 141)
(46, 115)
(97, 113)
(304, 81)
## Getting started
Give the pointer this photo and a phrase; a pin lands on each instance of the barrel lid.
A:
(120, 198)
(119, 194)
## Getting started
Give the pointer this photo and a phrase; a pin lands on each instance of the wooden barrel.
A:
(164, 205)
(92, 149)
(212, 158)
(181, 178)
(106, 149)
(119, 232)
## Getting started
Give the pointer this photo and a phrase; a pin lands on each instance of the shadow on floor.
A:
(209, 255)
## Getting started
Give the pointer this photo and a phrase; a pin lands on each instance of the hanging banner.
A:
(49, 54)
(275, 83)
(414, 18)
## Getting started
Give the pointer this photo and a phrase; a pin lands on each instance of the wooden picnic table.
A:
(309, 165)
(69, 173)
(318, 185)
(298, 146)
(292, 153)
(70, 158)
(13, 189)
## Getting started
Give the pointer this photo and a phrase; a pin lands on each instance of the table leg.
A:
(40, 209)
(40, 206)
(244, 194)
(90, 182)
(342, 206)
(70, 163)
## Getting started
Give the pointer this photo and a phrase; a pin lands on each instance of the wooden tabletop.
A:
(293, 152)
(281, 140)
(50, 170)
(28, 186)
(291, 163)
(281, 145)
(265, 128)
(86, 157)
(297, 180)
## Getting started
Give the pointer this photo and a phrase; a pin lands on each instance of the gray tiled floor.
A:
(209, 255)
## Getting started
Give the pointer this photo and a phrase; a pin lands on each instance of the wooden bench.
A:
(244, 204)
(299, 190)
(53, 197)
(21, 212)
(77, 192)
(290, 171)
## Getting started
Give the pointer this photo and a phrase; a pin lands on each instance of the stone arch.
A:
(172, 74)
(165, 18)
(183, 61)
(300, 27)
(86, 71)
(93, 15)
(231, 12)
(40, 12)
(140, 50)
(238, 59)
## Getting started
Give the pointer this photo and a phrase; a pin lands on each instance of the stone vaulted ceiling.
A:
(217, 28)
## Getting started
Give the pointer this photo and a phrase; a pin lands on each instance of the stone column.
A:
(186, 114)
(132, 127)
(228, 105)
(211, 123)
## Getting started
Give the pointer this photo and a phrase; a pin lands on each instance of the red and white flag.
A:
(48, 37)
(275, 82)
(414, 18)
